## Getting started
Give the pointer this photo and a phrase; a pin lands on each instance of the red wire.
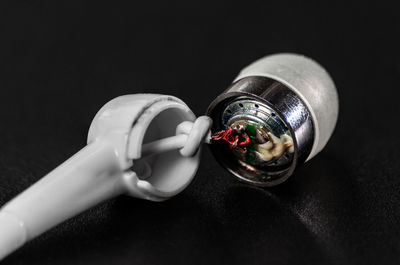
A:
(227, 136)
(246, 140)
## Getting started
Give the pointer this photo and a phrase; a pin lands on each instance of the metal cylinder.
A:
(288, 105)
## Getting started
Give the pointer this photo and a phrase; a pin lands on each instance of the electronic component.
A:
(279, 112)
(287, 104)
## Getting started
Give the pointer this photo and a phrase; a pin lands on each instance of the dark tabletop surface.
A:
(61, 61)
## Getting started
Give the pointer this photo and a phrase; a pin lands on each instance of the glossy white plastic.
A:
(144, 145)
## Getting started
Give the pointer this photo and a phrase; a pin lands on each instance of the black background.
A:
(61, 61)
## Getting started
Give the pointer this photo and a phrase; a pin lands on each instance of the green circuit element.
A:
(251, 147)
